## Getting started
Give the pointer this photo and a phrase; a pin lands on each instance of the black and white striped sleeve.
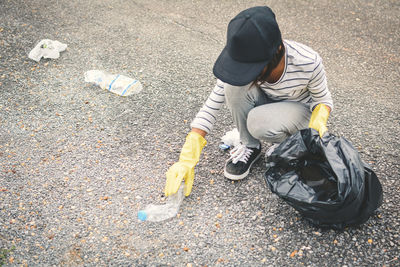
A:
(207, 115)
(318, 86)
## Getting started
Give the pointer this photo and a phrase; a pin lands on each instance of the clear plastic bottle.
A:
(157, 213)
(118, 84)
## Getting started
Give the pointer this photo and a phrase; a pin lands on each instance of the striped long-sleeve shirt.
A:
(303, 80)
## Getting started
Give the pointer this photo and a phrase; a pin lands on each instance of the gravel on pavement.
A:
(77, 162)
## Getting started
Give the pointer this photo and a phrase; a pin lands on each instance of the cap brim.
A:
(234, 72)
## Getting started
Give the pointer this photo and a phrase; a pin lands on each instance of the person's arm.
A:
(199, 131)
(322, 102)
(207, 115)
(195, 142)
(318, 86)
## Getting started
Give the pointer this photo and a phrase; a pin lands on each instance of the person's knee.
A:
(255, 128)
(263, 128)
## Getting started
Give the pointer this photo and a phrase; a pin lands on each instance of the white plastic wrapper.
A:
(231, 138)
(47, 49)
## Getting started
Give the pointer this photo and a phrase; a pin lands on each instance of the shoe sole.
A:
(242, 176)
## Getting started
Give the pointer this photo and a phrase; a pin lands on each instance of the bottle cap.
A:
(224, 146)
(142, 215)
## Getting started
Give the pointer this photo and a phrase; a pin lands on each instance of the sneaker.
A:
(270, 150)
(242, 158)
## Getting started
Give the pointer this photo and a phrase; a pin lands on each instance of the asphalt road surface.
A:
(77, 162)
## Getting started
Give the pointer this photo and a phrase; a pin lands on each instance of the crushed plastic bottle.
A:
(118, 84)
(157, 213)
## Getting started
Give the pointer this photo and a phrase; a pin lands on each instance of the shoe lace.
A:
(271, 150)
(240, 153)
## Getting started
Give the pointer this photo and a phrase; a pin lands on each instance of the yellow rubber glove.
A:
(184, 168)
(319, 118)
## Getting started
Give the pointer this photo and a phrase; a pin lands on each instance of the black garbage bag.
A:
(324, 179)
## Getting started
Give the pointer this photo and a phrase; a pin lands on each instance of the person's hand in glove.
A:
(319, 118)
(184, 168)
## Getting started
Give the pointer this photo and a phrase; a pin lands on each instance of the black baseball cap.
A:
(252, 40)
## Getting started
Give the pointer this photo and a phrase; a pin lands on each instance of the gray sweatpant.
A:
(259, 118)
